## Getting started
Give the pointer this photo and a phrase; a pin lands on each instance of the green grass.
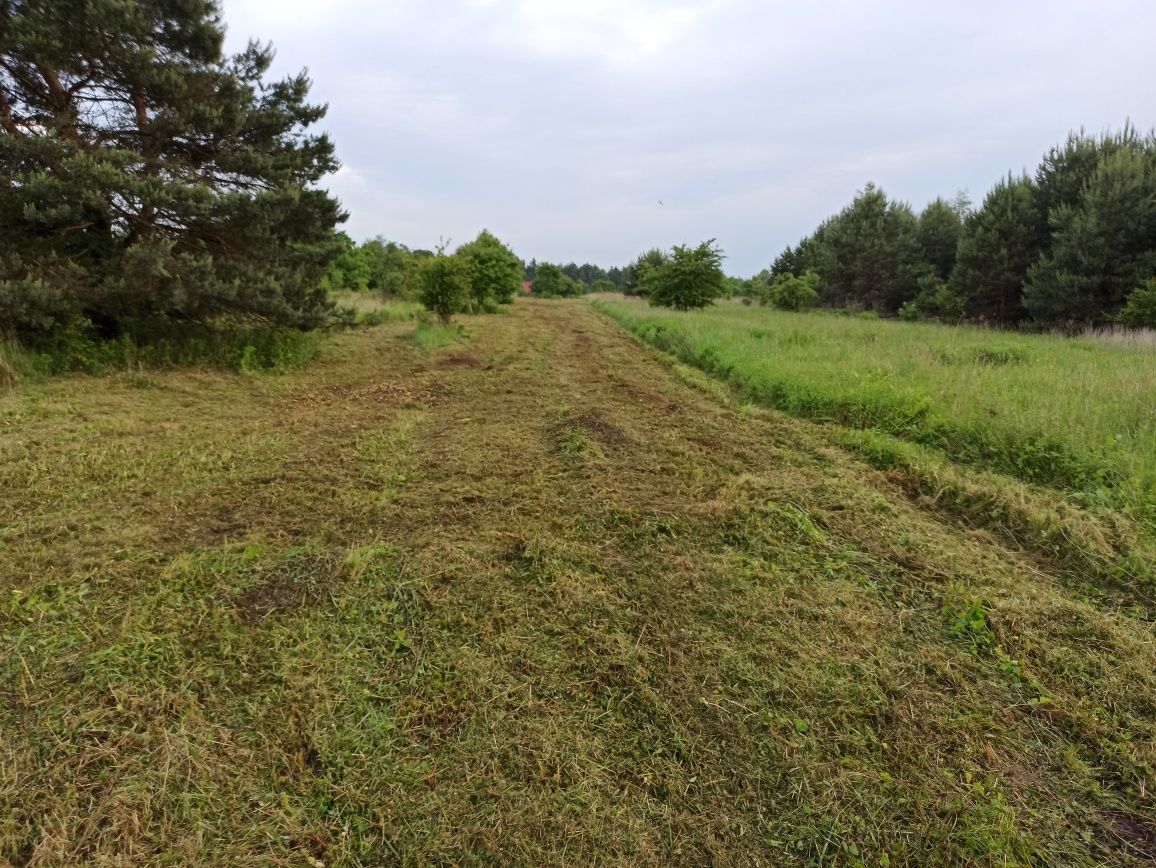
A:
(433, 335)
(369, 309)
(541, 597)
(1076, 414)
(237, 347)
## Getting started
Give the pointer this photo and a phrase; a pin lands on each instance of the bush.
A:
(445, 285)
(935, 301)
(788, 292)
(550, 281)
(1140, 309)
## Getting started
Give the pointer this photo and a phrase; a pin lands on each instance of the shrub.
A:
(935, 301)
(550, 281)
(1140, 309)
(232, 345)
(445, 285)
(789, 292)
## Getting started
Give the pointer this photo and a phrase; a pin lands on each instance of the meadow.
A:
(1073, 414)
(525, 591)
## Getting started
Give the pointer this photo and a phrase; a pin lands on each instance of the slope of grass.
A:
(538, 597)
(1077, 414)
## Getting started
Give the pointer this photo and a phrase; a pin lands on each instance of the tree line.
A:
(573, 279)
(1074, 243)
(151, 178)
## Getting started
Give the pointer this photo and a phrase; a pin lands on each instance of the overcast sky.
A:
(561, 125)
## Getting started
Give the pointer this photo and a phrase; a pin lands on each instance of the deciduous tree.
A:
(691, 278)
(495, 272)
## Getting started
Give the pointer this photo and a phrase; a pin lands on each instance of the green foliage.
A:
(639, 272)
(1000, 242)
(867, 256)
(380, 266)
(351, 269)
(160, 344)
(1140, 309)
(788, 292)
(550, 281)
(1065, 247)
(937, 235)
(935, 301)
(604, 286)
(692, 277)
(150, 176)
(495, 273)
(1103, 245)
(445, 282)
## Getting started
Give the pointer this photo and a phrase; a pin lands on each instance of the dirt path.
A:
(537, 598)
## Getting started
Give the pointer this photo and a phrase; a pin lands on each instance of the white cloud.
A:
(619, 35)
(560, 123)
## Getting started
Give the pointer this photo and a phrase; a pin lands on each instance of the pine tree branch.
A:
(6, 119)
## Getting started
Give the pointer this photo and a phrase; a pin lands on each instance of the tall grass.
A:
(1078, 414)
(243, 347)
(231, 345)
(369, 309)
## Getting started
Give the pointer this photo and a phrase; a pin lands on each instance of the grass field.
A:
(533, 593)
(1078, 415)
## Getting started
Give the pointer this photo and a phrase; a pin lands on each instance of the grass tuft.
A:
(432, 336)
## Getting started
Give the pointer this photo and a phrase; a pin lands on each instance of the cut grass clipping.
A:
(558, 607)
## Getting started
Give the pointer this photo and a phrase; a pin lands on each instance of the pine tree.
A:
(938, 236)
(149, 175)
(1065, 170)
(1000, 243)
(1103, 245)
(871, 258)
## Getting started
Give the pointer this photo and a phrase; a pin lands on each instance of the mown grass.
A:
(1077, 414)
(531, 599)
